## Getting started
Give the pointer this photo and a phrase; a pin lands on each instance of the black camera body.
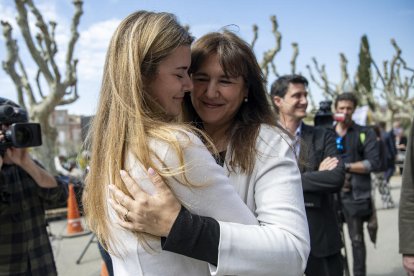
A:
(324, 116)
(20, 133)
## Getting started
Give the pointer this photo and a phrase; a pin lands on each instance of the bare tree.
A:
(394, 84)
(269, 57)
(330, 89)
(61, 89)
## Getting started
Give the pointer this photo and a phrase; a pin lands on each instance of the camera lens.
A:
(22, 136)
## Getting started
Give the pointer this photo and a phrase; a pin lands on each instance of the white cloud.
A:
(92, 46)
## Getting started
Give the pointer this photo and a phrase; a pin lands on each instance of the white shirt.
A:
(214, 197)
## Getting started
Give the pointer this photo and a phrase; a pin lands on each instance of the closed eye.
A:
(200, 79)
(226, 81)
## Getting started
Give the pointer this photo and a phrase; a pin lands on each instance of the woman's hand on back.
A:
(153, 214)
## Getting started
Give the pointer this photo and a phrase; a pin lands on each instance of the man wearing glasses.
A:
(359, 150)
(322, 174)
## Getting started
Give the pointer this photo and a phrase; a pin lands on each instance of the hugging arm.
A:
(279, 243)
(211, 199)
(162, 215)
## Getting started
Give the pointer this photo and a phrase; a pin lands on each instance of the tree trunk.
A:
(46, 153)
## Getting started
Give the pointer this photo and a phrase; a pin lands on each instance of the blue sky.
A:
(322, 28)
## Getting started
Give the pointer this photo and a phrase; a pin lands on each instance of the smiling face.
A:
(216, 97)
(172, 80)
(293, 105)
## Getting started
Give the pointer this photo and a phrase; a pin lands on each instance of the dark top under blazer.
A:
(318, 187)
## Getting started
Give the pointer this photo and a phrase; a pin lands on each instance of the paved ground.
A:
(67, 251)
(383, 260)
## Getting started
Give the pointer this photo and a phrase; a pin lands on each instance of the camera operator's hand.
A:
(18, 156)
(21, 158)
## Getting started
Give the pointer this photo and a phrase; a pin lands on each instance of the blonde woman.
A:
(144, 81)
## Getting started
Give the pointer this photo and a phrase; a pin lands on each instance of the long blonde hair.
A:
(127, 116)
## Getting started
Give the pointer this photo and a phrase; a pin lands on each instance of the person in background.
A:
(322, 174)
(388, 153)
(25, 187)
(391, 150)
(400, 141)
(406, 208)
(229, 101)
(361, 157)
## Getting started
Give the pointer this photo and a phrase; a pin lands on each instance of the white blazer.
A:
(280, 245)
(214, 197)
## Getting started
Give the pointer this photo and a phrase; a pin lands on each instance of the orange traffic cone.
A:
(74, 226)
(104, 270)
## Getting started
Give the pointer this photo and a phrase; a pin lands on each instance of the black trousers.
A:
(326, 266)
(356, 234)
(107, 259)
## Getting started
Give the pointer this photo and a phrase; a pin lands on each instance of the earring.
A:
(246, 99)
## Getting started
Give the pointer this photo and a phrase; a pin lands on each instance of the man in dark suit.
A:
(322, 174)
(406, 210)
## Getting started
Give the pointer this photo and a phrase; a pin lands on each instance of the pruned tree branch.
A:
(294, 57)
(269, 55)
(23, 23)
(325, 85)
(70, 63)
(47, 39)
(9, 64)
(344, 73)
(255, 35)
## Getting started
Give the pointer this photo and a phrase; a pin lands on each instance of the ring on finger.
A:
(126, 215)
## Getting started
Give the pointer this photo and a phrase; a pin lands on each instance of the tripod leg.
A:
(91, 240)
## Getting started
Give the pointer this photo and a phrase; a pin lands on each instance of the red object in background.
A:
(74, 220)
(339, 117)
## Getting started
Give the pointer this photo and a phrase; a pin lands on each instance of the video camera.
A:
(20, 134)
(324, 116)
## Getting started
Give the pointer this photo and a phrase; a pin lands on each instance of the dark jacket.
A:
(358, 150)
(406, 211)
(391, 148)
(319, 187)
(25, 248)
